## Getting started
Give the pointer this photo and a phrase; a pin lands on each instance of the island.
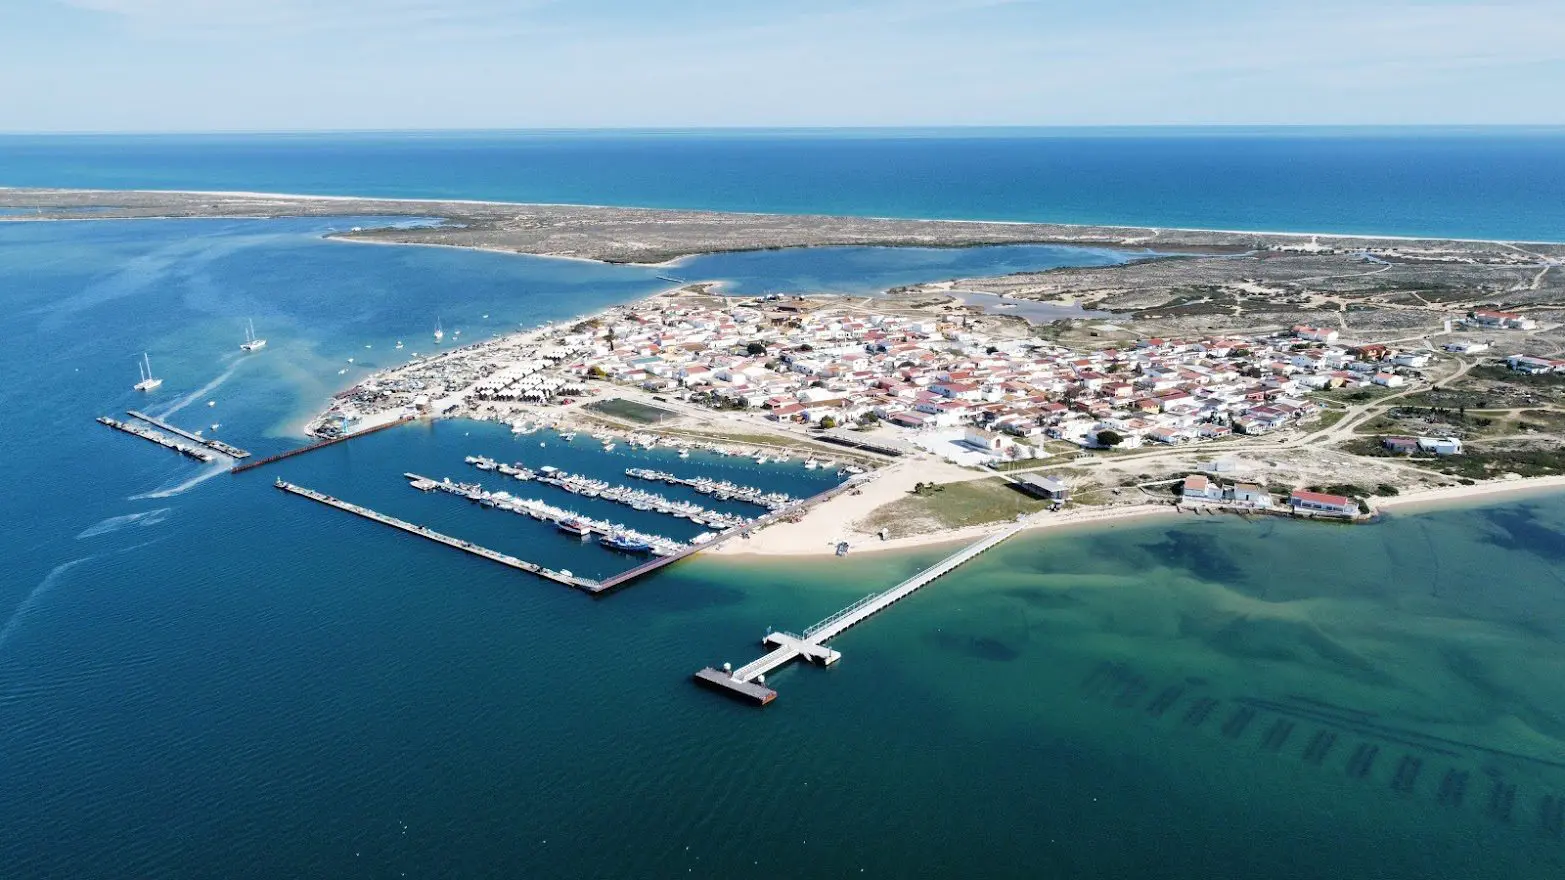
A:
(1258, 374)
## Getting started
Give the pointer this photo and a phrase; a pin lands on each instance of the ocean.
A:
(203, 677)
(1506, 183)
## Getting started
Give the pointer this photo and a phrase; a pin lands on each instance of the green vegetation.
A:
(631, 411)
(1110, 439)
(1488, 464)
(1500, 373)
(933, 506)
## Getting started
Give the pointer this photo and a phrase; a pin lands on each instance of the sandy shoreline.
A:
(819, 538)
(492, 203)
(1458, 496)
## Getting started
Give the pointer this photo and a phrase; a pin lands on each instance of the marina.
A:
(635, 499)
(749, 681)
(562, 577)
(210, 443)
(722, 490)
(198, 453)
(568, 521)
(798, 507)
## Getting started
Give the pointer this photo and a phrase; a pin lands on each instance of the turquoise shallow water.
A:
(209, 678)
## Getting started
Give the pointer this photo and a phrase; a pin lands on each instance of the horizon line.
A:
(1234, 128)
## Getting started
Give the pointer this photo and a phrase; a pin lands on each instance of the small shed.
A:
(1051, 488)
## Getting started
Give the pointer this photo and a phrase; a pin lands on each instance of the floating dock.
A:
(198, 453)
(540, 510)
(561, 577)
(208, 442)
(321, 445)
(749, 681)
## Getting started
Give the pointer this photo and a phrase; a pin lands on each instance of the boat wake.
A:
(167, 491)
(115, 523)
(198, 394)
(30, 602)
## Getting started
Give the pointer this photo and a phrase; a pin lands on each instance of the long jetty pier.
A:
(562, 577)
(321, 445)
(210, 443)
(749, 681)
(797, 507)
(199, 453)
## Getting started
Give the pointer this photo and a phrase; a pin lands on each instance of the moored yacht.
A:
(148, 381)
(574, 527)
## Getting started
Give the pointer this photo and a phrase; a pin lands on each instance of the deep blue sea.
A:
(1465, 183)
(203, 677)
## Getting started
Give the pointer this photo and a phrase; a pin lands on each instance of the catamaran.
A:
(439, 333)
(252, 342)
(148, 381)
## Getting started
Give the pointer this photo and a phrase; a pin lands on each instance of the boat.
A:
(252, 342)
(148, 381)
(684, 453)
(215, 426)
(568, 436)
(399, 343)
(608, 447)
(574, 527)
(211, 403)
(626, 544)
(439, 333)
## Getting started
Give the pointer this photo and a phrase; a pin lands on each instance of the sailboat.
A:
(439, 333)
(148, 381)
(251, 343)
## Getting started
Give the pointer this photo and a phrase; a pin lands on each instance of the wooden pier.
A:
(210, 443)
(320, 445)
(749, 681)
(199, 453)
(561, 577)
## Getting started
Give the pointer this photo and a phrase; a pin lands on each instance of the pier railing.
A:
(823, 624)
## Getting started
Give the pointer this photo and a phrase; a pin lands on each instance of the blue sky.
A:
(197, 65)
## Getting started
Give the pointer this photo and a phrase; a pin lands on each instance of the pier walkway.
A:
(321, 445)
(749, 681)
(218, 445)
(562, 577)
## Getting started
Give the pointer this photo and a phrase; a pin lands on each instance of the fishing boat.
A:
(626, 544)
(252, 342)
(148, 381)
(574, 527)
(439, 333)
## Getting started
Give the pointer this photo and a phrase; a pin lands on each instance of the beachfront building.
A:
(1052, 488)
(1250, 494)
(1199, 487)
(1303, 501)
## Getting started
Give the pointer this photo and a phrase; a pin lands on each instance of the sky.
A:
(256, 65)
